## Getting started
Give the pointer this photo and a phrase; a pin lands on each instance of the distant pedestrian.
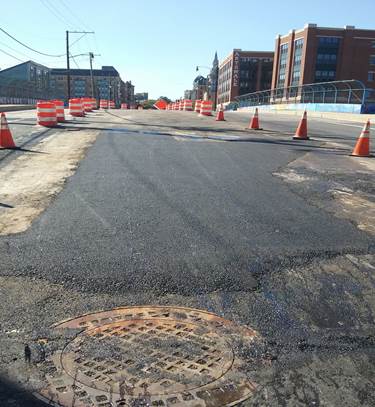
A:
(27, 354)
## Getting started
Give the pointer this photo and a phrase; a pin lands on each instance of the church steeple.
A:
(216, 60)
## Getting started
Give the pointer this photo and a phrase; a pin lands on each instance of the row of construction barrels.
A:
(50, 113)
(203, 107)
(107, 104)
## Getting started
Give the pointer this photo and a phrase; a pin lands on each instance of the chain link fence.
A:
(335, 92)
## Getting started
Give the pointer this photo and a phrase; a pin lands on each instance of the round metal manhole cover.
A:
(147, 356)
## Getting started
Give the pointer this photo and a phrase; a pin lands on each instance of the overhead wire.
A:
(30, 48)
(13, 49)
(79, 20)
(72, 57)
(52, 9)
(10, 55)
(74, 42)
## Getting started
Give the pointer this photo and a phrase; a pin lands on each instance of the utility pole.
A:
(91, 55)
(68, 55)
(67, 64)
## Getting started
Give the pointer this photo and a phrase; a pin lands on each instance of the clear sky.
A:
(158, 43)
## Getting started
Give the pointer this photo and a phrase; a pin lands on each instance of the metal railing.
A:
(346, 92)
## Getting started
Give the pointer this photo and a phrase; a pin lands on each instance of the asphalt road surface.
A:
(169, 208)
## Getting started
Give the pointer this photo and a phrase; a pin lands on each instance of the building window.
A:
(326, 59)
(373, 44)
(282, 65)
(329, 41)
(372, 59)
(296, 72)
(371, 76)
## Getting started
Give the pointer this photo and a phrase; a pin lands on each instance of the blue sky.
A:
(158, 43)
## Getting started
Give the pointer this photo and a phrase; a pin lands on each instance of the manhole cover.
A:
(148, 356)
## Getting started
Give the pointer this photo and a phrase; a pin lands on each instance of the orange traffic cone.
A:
(6, 139)
(254, 123)
(301, 132)
(220, 114)
(362, 148)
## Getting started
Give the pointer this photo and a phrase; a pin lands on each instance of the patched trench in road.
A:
(34, 178)
(317, 321)
(158, 356)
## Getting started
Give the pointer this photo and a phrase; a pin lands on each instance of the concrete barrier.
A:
(15, 108)
(351, 117)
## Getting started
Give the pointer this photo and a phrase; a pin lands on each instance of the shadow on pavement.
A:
(13, 395)
(3, 205)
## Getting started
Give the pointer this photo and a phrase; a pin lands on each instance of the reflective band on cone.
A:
(362, 147)
(46, 114)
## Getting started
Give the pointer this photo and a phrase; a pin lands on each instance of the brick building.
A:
(321, 54)
(27, 80)
(107, 83)
(200, 87)
(127, 92)
(244, 72)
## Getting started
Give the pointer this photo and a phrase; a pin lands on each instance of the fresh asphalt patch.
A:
(148, 220)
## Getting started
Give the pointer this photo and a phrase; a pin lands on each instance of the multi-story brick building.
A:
(107, 83)
(27, 80)
(322, 54)
(127, 92)
(244, 72)
(200, 87)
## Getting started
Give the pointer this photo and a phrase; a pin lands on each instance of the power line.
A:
(13, 49)
(71, 56)
(55, 12)
(31, 49)
(78, 39)
(10, 55)
(81, 22)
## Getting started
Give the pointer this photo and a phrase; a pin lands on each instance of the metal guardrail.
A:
(347, 92)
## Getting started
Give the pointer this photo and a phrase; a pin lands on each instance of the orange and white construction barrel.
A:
(197, 107)
(188, 105)
(75, 108)
(206, 108)
(103, 104)
(111, 104)
(60, 115)
(46, 114)
(86, 104)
